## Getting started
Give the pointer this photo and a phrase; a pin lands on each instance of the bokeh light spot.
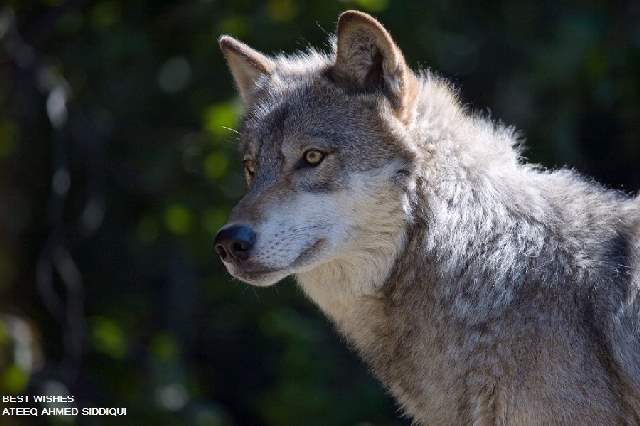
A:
(219, 116)
(4, 334)
(174, 75)
(164, 347)
(282, 10)
(105, 14)
(215, 165)
(172, 397)
(236, 25)
(14, 379)
(108, 338)
(373, 5)
(178, 219)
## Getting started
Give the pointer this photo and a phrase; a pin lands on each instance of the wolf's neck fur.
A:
(341, 287)
(484, 231)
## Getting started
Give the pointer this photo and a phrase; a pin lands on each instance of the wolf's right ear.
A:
(367, 59)
(246, 64)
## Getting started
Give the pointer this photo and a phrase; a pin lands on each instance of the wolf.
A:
(479, 289)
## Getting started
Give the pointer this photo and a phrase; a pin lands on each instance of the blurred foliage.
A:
(118, 164)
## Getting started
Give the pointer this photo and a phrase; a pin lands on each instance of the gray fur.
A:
(480, 289)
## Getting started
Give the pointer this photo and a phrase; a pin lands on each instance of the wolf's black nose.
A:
(234, 242)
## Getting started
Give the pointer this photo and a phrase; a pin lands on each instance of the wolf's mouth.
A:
(258, 274)
(308, 253)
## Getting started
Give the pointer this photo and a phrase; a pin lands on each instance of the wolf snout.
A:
(234, 242)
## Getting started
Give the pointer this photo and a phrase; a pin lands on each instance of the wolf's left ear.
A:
(368, 59)
(246, 64)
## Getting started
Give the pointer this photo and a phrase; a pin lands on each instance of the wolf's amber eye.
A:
(313, 157)
(249, 168)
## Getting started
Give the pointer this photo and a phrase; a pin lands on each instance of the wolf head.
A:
(327, 156)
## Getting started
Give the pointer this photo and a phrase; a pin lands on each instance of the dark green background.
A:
(109, 288)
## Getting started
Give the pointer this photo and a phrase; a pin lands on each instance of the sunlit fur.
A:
(480, 289)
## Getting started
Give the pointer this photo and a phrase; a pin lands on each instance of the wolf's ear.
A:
(368, 59)
(246, 65)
